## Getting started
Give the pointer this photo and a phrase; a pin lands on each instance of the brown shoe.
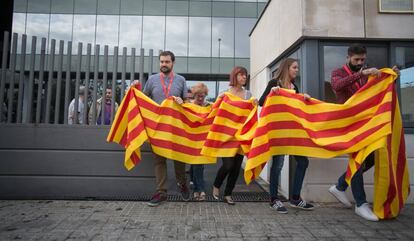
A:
(229, 200)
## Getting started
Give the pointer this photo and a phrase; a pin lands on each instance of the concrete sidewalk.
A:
(115, 220)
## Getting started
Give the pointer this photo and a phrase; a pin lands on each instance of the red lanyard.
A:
(164, 88)
(357, 83)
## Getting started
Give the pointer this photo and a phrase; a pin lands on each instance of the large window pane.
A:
(223, 86)
(20, 6)
(260, 8)
(246, 10)
(83, 30)
(153, 36)
(222, 65)
(405, 58)
(211, 85)
(37, 25)
(85, 6)
(62, 6)
(38, 6)
(60, 26)
(154, 7)
(223, 9)
(200, 41)
(108, 6)
(223, 37)
(335, 57)
(180, 65)
(200, 9)
(19, 23)
(130, 29)
(177, 35)
(242, 41)
(131, 7)
(19, 27)
(107, 32)
(243, 62)
(199, 65)
(177, 8)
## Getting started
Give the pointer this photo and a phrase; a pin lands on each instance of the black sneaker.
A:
(278, 206)
(157, 199)
(185, 193)
(301, 204)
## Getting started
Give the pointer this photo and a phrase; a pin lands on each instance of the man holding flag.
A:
(159, 87)
(346, 81)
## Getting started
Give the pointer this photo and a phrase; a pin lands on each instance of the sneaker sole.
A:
(339, 200)
(155, 204)
(281, 212)
(367, 219)
(301, 208)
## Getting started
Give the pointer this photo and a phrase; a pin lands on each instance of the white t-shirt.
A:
(71, 114)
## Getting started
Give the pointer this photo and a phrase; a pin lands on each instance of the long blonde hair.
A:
(282, 74)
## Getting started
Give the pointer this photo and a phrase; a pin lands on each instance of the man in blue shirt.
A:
(159, 87)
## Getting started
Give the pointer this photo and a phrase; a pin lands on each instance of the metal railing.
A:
(38, 86)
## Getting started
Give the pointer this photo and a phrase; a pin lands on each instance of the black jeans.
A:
(231, 168)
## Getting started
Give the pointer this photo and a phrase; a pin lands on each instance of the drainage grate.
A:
(237, 196)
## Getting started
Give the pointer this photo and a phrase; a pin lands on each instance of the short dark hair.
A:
(356, 49)
(167, 53)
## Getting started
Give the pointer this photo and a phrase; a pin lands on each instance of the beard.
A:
(165, 70)
(355, 68)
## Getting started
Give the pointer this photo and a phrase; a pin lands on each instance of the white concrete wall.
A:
(387, 25)
(355, 19)
(283, 23)
(339, 18)
(279, 27)
(322, 173)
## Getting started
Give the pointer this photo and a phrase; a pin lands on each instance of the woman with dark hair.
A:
(284, 78)
(231, 165)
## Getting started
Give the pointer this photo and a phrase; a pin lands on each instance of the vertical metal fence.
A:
(59, 87)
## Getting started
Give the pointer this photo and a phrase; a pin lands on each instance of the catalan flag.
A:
(370, 121)
(186, 133)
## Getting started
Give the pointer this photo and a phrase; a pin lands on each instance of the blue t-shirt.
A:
(154, 89)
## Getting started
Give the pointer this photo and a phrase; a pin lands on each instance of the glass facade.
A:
(334, 56)
(405, 60)
(209, 37)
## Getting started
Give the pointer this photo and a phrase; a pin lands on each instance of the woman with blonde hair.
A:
(199, 93)
(285, 78)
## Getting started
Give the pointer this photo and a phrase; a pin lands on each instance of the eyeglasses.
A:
(200, 96)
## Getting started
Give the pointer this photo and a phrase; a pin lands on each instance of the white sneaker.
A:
(365, 211)
(340, 195)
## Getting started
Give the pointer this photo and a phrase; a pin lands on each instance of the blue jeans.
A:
(357, 182)
(302, 164)
(198, 177)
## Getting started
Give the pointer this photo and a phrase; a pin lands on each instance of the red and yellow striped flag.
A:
(188, 133)
(369, 121)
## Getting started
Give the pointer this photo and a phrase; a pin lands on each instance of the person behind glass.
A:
(81, 107)
(231, 165)
(159, 87)
(285, 78)
(346, 81)
(108, 109)
(199, 93)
